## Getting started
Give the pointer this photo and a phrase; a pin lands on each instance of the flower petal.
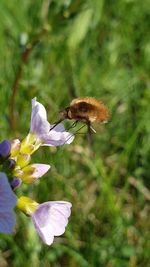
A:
(50, 219)
(40, 169)
(39, 123)
(32, 172)
(58, 128)
(7, 222)
(7, 202)
(5, 147)
(42, 128)
(57, 138)
(7, 198)
(38, 108)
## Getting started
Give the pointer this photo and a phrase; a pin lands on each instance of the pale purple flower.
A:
(31, 172)
(42, 128)
(5, 147)
(34, 171)
(50, 219)
(40, 169)
(8, 201)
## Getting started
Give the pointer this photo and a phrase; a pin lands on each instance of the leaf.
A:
(98, 9)
(80, 28)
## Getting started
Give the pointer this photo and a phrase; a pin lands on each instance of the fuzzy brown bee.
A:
(86, 109)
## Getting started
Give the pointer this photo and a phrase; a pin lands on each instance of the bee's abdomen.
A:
(88, 111)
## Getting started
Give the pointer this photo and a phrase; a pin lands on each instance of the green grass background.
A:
(97, 48)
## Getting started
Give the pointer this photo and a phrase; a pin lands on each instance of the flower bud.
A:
(16, 182)
(5, 148)
(23, 160)
(15, 147)
(17, 172)
(27, 205)
(28, 144)
(33, 171)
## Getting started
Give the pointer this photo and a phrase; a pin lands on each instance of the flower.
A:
(15, 147)
(23, 160)
(31, 172)
(49, 218)
(16, 182)
(8, 201)
(5, 148)
(41, 128)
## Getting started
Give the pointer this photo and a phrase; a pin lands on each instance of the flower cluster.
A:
(49, 218)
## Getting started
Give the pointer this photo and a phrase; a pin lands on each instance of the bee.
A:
(87, 110)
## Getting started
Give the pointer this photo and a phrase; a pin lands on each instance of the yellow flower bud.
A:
(23, 159)
(28, 175)
(15, 147)
(30, 144)
(27, 205)
(17, 172)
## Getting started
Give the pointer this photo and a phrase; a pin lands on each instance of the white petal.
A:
(40, 169)
(39, 123)
(51, 218)
(58, 128)
(54, 138)
(41, 128)
(38, 108)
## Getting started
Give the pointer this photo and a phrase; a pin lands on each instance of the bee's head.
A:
(64, 113)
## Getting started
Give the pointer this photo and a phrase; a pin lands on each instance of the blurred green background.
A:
(57, 50)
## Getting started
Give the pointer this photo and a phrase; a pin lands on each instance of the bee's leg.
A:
(74, 124)
(71, 135)
(92, 129)
(89, 133)
(59, 121)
